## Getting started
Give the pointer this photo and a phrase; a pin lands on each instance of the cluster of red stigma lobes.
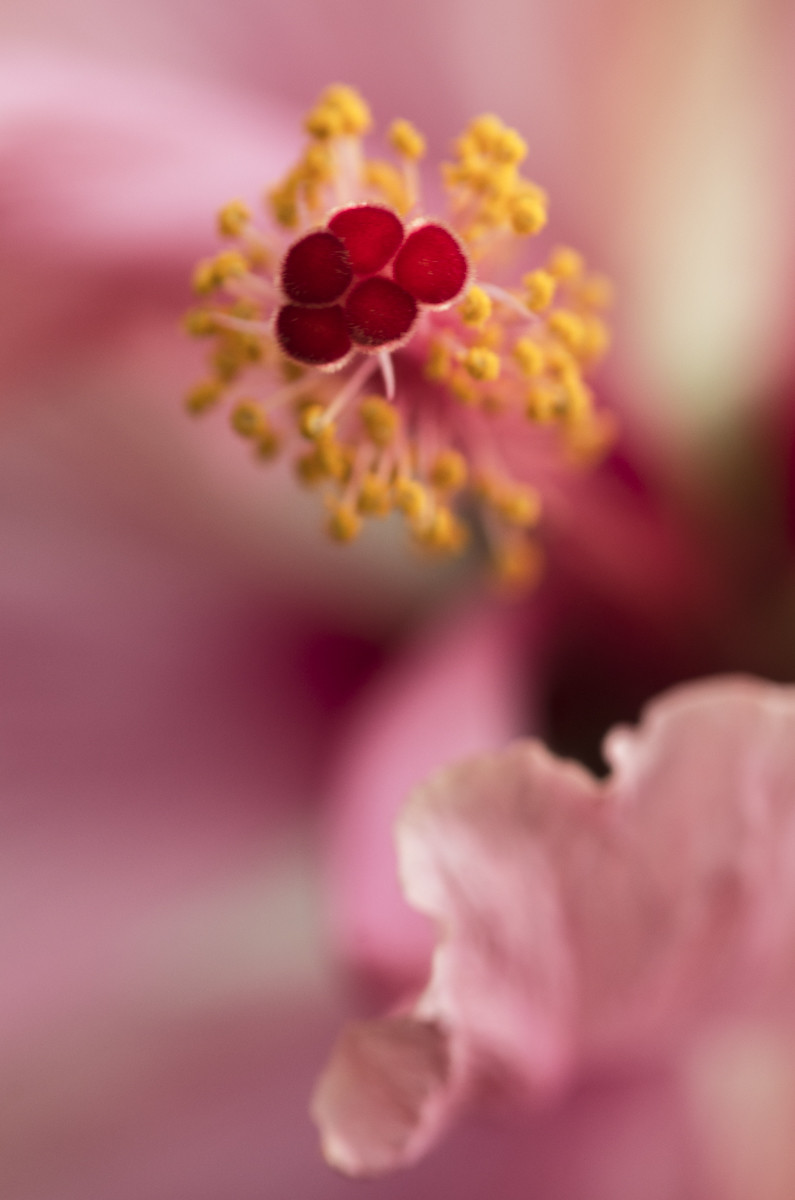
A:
(363, 338)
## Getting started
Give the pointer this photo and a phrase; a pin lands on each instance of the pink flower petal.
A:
(454, 691)
(586, 924)
(387, 1093)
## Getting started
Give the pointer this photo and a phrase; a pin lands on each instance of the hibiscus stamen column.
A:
(345, 285)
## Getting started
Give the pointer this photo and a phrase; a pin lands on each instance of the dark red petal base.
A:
(316, 269)
(315, 336)
(379, 313)
(372, 235)
(432, 266)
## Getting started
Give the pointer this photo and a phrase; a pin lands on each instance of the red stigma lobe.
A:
(379, 313)
(371, 234)
(316, 269)
(432, 266)
(315, 336)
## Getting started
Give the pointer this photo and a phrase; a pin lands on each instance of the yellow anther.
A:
(203, 396)
(200, 322)
(343, 523)
(248, 419)
(518, 565)
(528, 215)
(316, 165)
(230, 264)
(268, 444)
(355, 113)
(406, 140)
(529, 356)
(284, 204)
(509, 147)
(380, 420)
(231, 355)
(568, 327)
(410, 497)
(386, 178)
(443, 534)
(324, 121)
(484, 133)
(544, 403)
(437, 364)
(482, 364)
(233, 218)
(204, 280)
(449, 471)
(560, 362)
(476, 307)
(312, 424)
(540, 287)
(310, 469)
(517, 505)
(334, 458)
(374, 498)
(462, 388)
(565, 263)
(492, 336)
(577, 402)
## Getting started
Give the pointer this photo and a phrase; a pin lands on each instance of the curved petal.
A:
(587, 924)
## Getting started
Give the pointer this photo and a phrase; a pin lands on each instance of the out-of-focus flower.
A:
(585, 929)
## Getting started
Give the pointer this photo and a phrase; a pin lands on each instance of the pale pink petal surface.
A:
(591, 926)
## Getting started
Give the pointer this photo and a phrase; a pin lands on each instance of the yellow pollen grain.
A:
(200, 322)
(284, 204)
(476, 307)
(374, 498)
(529, 356)
(204, 281)
(203, 396)
(518, 505)
(380, 419)
(565, 264)
(386, 179)
(229, 264)
(540, 289)
(437, 364)
(509, 147)
(233, 218)
(410, 497)
(449, 471)
(528, 215)
(268, 444)
(334, 458)
(310, 469)
(543, 404)
(406, 140)
(248, 419)
(482, 364)
(462, 388)
(311, 424)
(343, 524)
(567, 326)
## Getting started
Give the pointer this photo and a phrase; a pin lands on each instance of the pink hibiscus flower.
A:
(590, 929)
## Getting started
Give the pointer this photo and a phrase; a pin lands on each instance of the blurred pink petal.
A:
(587, 925)
(455, 690)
